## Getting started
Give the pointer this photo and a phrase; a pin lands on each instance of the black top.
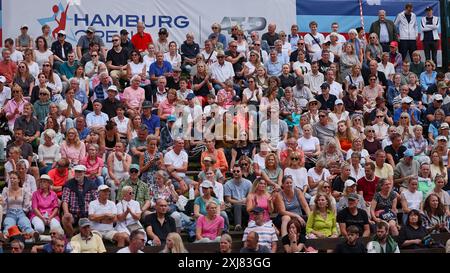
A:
(372, 147)
(26, 148)
(346, 248)
(29, 127)
(359, 220)
(117, 58)
(338, 183)
(57, 49)
(397, 155)
(285, 240)
(287, 80)
(261, 249)
(109, 107)
(409, 233)
(269, 38)
(326, 104)
(203, 91)
(160, 230)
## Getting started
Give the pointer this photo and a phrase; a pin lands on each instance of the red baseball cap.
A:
(394, 44)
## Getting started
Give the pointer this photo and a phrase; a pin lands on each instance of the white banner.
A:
(178, 16)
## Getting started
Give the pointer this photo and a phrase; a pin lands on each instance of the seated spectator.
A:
(383, 242)
(128, 214)
(384, 206)
(259, 197)
(94, 165)
(272, 174)
(71, 108)
(140, 189)
(235, 192)
(174, 244)
(406, 168)
(413, 232)
(121, 121)
(325, 188)
(322, 220)
(74, 205)
(49, 152)
(294, 240)
(217, 155)
(137, 243)
(87, 241)
(316, 175)
(58, 243)
(435, 215)
(44, 203)
(331, 152)
(137, 144)
(265, 230)
(225, 243)
(352, 215)
(209, 226)
(251, 244)
(159, 225)
(60, 174)
(352, 243)
(290, 204)
(176, 162)
(349, 188)
(29, 124)
(411, 198)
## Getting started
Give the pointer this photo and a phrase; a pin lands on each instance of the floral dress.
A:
(149, 176)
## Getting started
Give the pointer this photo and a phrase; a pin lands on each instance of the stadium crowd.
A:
(279, 137)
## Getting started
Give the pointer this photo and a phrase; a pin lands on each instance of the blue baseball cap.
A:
(409, 153)
(171, 118)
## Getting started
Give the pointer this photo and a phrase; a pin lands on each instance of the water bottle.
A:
(191, 192)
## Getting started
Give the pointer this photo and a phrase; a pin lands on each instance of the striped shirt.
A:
(266, 233)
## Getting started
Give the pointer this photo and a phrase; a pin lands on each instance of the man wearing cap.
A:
(78, 192)
(221, 71)
(111, 102)
(24, 40)
(395, 57)
(353, 101)
(124, 41)
(326, 99)
(138, 145)
(140, 189)
(83, 44)
(141, 39)
(353, 215)
(437, 103)
(87, 241)
(265, 230)
(167, 141)
(103, 215)
(117, 61)
(150, 119)
(385, 30)
(405, 169)
(430, 34)
(409, 108)
(162, 43)
(406, 22)
(60, 49)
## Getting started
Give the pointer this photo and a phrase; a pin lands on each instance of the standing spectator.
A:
(385, 30)
(265, 230)
(75, 204)
(141, 39)
(430, 37)
(83, 45)
(406, 22)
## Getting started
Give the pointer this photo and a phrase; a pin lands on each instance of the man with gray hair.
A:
(385, 29)
(80, 95)
(189, 49)
(270, 36)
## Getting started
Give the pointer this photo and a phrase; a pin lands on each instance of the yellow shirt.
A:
(325, 226)
(385, 172)
(92, 245)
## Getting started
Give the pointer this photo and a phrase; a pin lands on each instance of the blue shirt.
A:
(237, 191)
(152, 123)
(425, 81)
(159, 71)
(399, 111)
(274, 69)
(81, 97)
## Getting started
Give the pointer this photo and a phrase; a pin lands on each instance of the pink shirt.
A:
(167, 108)
(263, 203)
(228, 97)
(92, 167)
(11, 107)
(45, 204)
(74, 154)
(210, 228)
(134, 97)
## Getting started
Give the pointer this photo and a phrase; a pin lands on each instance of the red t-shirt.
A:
(141, 42)
(367, 187)
(58, 179)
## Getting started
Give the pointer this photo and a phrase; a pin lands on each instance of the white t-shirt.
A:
(34, 69)
(16, 56)
(309, 40)
(261, 161)
(308, 145)
(317, 177)
(336, 89)
(77, 104)
(299, 176)
(247, 93)
(127, 250)
(134, 206)
(41, 58)
(95, 207)
(122, 126)
(177, 161)
(305, 67)
(413, 199)
(5, 95)
(364, 154)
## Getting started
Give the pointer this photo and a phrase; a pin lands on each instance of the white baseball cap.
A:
(2, 79)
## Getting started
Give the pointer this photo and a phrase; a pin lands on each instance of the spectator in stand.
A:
(87, 241)
(352, 244)
(368, 184)
(413, 232)
(60, 174)
(385, 30)
(382, 242)
(435, 215)
(176, 162)
(406, 22)
(190, 49)
(209, 226)
(72, 148)
(174, 244)
(353, 215)
(235, 193)
(117, 61)
(270, 36)
(75, 205)
(141, 39)
(84, 43)
(251, 244)
(322, 220)
(265, 230)
(124, 41)
(294, 240)
(159, 225)
(137, 243)
(8, 67)
(24, 40)
(428, 77)
(384, 206)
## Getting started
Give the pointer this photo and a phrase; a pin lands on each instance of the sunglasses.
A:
(133, 171)
(22, 66)
(373, 79)
(236, 171)
(43, 94)
(404, 117)
(326, 187)
(371, 131)
(428, 65)
(94, 55)
(294, 158)
(244, 164)
(46, 65)
(257, 44)
(115, 40)
(233, 45)
(322, 116)
(300, 44)
(215, 28)
(252, 55)
(313, 103)
(380, 116)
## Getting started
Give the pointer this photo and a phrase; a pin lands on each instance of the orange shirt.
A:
(221, 160)
(141, 42)
(345, 144)
(58, 179)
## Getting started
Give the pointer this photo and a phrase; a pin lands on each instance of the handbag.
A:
(133, 227)
(387, 215)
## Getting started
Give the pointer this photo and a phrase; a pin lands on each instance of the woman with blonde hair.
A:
(344, 135)
(254, 61)
(272, 173)
(404, 128)
(348, 59)
(354, 77)
(428, 77)
(357, 146)
(209, 227)
(322, 221)
(437, 166)
(174, 244)
(357, 125)
(260, 197)
(14, 107)
(331, 152)
(72, 148)
(325, 187)
(167, 106)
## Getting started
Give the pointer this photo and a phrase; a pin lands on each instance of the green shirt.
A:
(140, 190)
(425, 186)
